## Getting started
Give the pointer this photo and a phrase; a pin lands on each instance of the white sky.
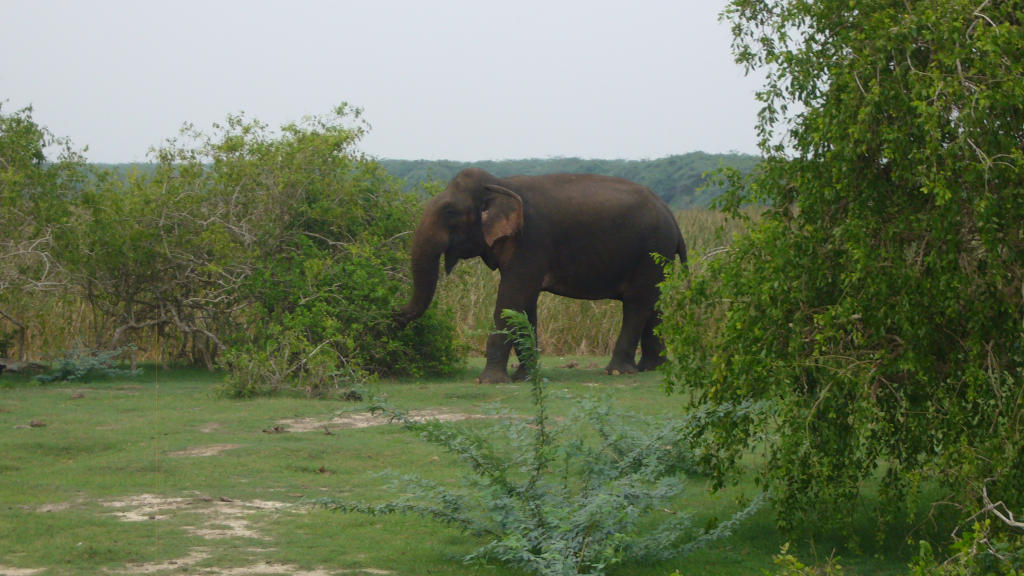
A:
(460, 80)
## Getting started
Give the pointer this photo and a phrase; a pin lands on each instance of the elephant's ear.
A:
(501, 215)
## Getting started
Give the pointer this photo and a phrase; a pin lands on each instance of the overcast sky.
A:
(460, 80)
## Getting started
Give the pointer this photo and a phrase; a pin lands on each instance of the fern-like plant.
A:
(84, 365)
(554, 498)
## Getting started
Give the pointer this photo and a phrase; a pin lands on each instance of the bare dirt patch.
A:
(269, 568)
(146, 507)
(208, 450)
(197, 555)
(219, 518)
(8, 571)
(229, 519)
(215, 518)
(56, 507)
(194, 557)
(366, 420)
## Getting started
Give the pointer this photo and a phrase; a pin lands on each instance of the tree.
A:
(33, 191)
(144, 252)
(871, 322)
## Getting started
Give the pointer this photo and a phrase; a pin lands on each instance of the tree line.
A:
(683, 181)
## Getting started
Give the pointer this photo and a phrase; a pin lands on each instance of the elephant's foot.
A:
(650, 363)
(522, 374)
(618, 368)
(492, 376)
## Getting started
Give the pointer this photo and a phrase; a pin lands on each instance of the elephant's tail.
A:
(681, 250)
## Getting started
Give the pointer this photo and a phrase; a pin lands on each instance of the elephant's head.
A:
(473, 216)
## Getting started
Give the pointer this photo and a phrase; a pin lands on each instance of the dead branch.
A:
(1000, 511)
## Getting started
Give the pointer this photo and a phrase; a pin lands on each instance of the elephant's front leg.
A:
(511, 296)
(525, 369)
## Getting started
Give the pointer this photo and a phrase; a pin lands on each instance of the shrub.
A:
(790, 565)
(302, 251)
(86, 365)
(555, 498)
(983, 548)
(321, 320)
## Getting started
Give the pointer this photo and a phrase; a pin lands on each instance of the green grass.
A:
(107, 444)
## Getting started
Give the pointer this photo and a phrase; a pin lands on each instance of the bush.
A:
(555, 498)
(86, 365)
(323, 320)
(302, 250)
(983, 548)
(790, 565)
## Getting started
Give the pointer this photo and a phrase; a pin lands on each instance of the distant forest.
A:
(680, 179)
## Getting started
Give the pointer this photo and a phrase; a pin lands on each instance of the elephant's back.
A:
(586, 201)
(598, 231)
(590, 198)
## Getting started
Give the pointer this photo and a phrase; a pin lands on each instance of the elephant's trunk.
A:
(426, 257)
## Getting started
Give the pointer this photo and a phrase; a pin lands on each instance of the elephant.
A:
(581, 236)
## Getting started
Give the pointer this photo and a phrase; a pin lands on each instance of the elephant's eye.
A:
(451, 214)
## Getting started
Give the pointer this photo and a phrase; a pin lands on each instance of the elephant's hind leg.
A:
(635, 312)
(651, 347)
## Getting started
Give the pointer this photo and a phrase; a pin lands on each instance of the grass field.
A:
(157, 474)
